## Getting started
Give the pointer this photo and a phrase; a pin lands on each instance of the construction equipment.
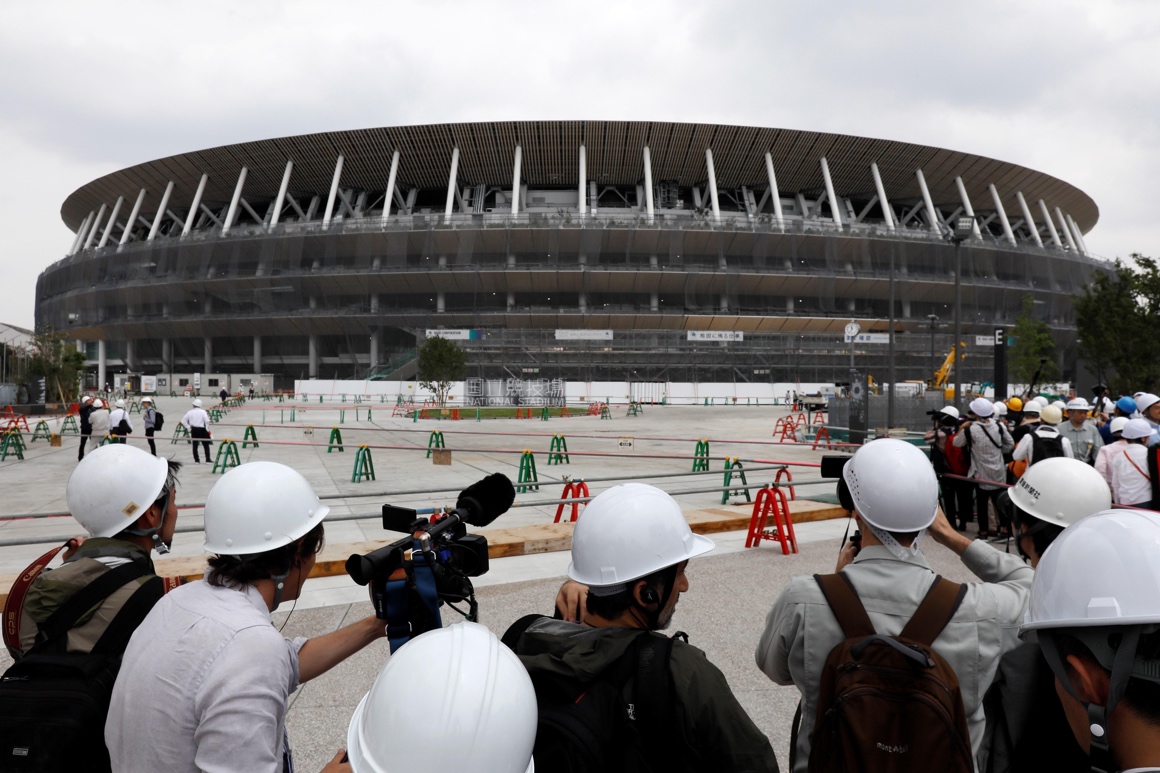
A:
(943, 374)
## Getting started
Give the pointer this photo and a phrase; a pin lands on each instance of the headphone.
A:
(649, 596)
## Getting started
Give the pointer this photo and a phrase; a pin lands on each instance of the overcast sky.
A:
(1065, 87)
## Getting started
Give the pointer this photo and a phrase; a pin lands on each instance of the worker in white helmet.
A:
(196, 420)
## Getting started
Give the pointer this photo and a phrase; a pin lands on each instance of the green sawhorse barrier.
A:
(335, 441)
(701, 456)
(558, 451)
(106, 440)
(135, 407)
(435, 441)
(251, 437)
(544, 414)
(42, 431)
(69, 426)
(730, 467)
(634, 409)
(227, 457)
(528, 479)
(12, 445)
(180, 431)
(364, 466)
(604, 412)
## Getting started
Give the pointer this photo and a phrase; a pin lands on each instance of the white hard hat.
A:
(1051, 414)
(259, 506)
(981, 407)
(113, 486)
(1060, 491)
(950, 410)
(461, 678)
(1043, 401)
(1099, 572)
(1078, 404)
(1118, 424)
(1000, 408)
(197, 403)
(146, 399)
(1060, 404)
(1136, 428)
(893, 485)
(1032, 407)
(1146, 401)
(629, 532)
(120, 403)
(87, 399)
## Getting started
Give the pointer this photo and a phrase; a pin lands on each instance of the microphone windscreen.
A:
(487, 499)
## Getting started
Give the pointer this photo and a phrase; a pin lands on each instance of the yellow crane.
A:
(942, 375)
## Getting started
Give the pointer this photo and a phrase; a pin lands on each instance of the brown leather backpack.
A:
(890, 703)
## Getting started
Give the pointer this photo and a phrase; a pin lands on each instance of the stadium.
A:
(645, 252)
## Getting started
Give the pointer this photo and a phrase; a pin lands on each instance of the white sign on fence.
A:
(869, 338)
(452, 335)
(984, 341)
(716, 335)
(583, 335)
(624, 442)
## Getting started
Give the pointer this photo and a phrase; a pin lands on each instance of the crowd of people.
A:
(1049, 661)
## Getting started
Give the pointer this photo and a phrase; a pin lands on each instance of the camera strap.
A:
(403, 587)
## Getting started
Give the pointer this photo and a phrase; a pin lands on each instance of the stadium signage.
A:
(716, 335)
(453, 335)
(583, 335)
(869, 338)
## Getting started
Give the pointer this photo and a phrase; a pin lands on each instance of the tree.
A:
(1117, 317)
(58, 362)
(441, 363)
(1033, 345)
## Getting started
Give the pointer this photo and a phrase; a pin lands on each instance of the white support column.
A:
(1002, 214)
(167, 357)
(1066, 231)
(112, 221)
(830, 195)
(1077, 234)
(130, 358)
(81, 232)
(931, 215)
(451, 185)
(440, 302)
(232, 212)
(329, 213)
(1027, 217)
(276, 212)
(102, 364)
(207, 355)
(96, 226)
(1050, 225)
(192, 216)
(774, 193)
(390, 194)
(582, 192)
(257, 354)
(712, 184)
(516, 181)
(160, 212)
(312, 342)
(967, 208)
(887, 212)
(132, 217)
(648, 186)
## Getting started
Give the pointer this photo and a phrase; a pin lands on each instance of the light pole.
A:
(933, 362)
(964, 225)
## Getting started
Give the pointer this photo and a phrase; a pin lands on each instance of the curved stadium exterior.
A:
(634, 251)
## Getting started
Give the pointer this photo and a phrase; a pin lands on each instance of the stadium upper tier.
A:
(326, 242)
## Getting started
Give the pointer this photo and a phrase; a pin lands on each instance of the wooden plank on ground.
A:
(502, 543)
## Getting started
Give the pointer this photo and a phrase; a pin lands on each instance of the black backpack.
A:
(158, 420)
(590, 727)
(53, 703)
(1045, 448)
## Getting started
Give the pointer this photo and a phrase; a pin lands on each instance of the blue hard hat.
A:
(1126, 405)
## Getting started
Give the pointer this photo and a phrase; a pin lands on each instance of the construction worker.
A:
(1046, 441)
(895, 498)
(206, 679)
(1095, 611)
(196, 420)
(1000, 413)
(1080, 432)
(1131, 482)
(86, 410)
(1125, 407)
(119, 424)
(988, 442)
(957, 495)
(1149, 406)
(1111, 450)
(487, 700)
(1026, 729)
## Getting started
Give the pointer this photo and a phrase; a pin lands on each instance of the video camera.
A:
(832, 466)
(410, 579)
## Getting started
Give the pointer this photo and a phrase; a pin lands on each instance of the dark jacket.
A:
(719, 735)
(86, 426)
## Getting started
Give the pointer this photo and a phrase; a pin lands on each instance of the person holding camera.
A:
(892, 490)
(206, 678)
(989, 442)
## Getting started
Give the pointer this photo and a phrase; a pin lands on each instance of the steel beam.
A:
(1027, 217)
(648, 186)
(390, 192)
(193, 208)
(516, 181)
(133, 217)
(96, 225)
(774, 192)
(1050, 225)
(712, 184)
(276, 213)
(931, 215)
(887, 212)
(333, 193)
(1002, 214)
(835, 213)
(451, 182)
(161, 208)
(113, 219)
(1066, 231)
(970, 210)
(582, 193)
(232, 212)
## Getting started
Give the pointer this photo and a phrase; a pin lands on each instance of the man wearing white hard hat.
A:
(1095, 612)
(119, 423)
(149, 414)
(486, 703)
(196, 420)
(1082, 434)
(894, 495)
(630, 548)
(1111, 450)
(84, 413)
(988, 442)
(1046, 441)
(206, 679)
(1149, 406)
(957, 495)
(1026, 728)
(1131, 480)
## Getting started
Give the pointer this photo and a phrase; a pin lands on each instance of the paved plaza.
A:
(731, 589)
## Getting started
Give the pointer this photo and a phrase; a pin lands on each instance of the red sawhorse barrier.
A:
(572, 490)
(772, 501)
